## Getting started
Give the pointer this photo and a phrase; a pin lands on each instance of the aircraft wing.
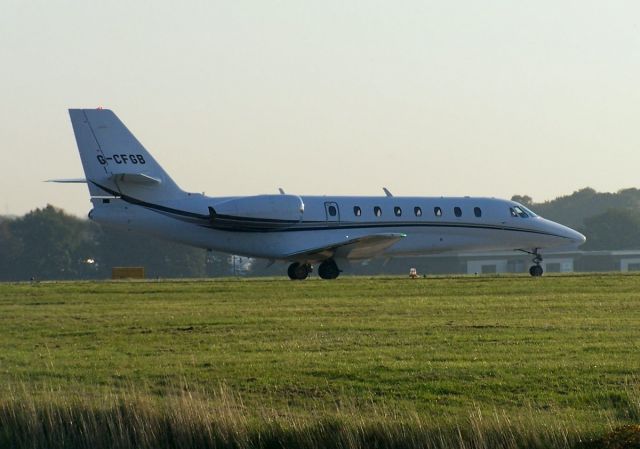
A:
(364, 247)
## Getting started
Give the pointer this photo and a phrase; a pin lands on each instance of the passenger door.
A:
(332, 212)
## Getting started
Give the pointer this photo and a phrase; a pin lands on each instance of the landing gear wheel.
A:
(536, 270)
(329, 269)
(299, 271)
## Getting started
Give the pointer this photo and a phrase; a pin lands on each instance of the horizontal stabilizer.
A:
(135, 178)
(365, 247)
(69, 181)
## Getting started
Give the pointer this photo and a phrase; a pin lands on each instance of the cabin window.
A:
(417, 211)
(333, 211)
(437, 211)
(357, 211)
(397, 211)
(477, 212)
(457, 211)
(377, 211)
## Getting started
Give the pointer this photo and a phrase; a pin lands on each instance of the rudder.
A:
(115, 162)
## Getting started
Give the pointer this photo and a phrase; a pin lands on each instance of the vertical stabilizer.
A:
(115, 162)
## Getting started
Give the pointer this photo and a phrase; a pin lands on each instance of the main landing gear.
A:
(327, 270)
(299, 271)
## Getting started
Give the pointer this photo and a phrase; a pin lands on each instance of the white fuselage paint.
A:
(495, 229)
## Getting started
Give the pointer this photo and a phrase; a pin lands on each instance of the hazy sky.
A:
(490, 98)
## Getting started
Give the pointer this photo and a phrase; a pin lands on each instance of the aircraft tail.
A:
(115, 162)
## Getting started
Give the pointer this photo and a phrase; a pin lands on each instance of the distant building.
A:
(504, 262)
(513, 262)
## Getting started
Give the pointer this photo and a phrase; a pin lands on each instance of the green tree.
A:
(525, 200)
(612, 230)
(49, 244)
(161, 258)
(9, 251)
(572, 210)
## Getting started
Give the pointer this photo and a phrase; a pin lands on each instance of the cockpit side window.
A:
(517, 211)
(520, 212)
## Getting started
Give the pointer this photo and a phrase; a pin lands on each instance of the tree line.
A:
(48, 243)
(610, 221)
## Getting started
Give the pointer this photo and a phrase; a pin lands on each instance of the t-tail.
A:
(115, 162)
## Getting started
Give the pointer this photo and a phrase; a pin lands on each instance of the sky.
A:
(428, 98)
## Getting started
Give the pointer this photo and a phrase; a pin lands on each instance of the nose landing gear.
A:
(536, 270)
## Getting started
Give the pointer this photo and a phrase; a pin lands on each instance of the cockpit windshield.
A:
(518, 210)
(528, 211)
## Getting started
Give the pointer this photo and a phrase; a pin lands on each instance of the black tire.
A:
(291, 271)
(328, 269)
(536, 270)
(298, 271)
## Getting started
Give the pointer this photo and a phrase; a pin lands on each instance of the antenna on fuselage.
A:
(386, 192)
(281, 190)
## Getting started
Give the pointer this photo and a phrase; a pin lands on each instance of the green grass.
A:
(556, 357)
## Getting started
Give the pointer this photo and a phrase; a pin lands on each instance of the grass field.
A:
(357, 362)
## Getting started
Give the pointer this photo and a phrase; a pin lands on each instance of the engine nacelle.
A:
(258, 212)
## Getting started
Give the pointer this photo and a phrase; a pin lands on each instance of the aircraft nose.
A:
(576, 237)
(568, 237)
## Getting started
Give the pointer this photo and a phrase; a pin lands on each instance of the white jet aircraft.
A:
(129, 189)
